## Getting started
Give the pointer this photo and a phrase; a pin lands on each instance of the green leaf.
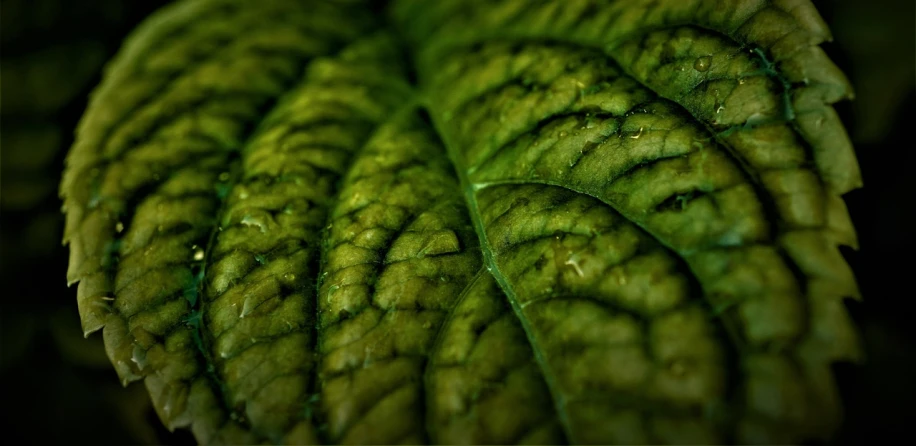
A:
(583, 222)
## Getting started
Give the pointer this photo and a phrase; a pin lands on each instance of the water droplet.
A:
(119, 227)
(289, 277)
(138, 356)
(720, 108)
(331, 290)
(563, 134)
(702, 63)
(638, 134)
(742, 81)
(198, 254)
(247, 307)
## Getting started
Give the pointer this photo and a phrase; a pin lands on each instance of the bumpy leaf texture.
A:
(582, 221)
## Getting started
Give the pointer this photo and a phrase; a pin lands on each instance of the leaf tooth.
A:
(120, 349)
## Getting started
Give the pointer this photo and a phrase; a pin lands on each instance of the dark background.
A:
(57, 387)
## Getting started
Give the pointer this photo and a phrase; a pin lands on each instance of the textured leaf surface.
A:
(585, 222)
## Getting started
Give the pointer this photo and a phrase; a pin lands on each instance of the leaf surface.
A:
(584, 222)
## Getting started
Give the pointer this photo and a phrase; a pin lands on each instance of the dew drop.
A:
(198, 254)
(702, 63)
(638, 134)
(331, 290)
(247, 307)
(742, 81)
(563, 134)
(119, 227)
(138, 356)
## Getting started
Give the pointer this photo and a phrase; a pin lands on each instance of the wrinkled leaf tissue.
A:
(471, 221)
